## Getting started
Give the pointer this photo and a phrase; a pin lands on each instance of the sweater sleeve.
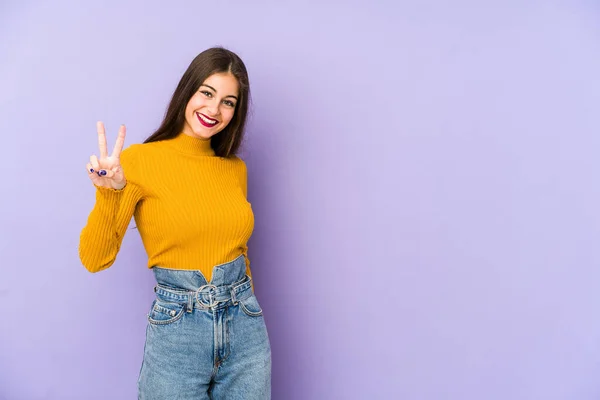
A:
(101, 237)
(243, 178)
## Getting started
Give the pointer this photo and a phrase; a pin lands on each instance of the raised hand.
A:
(106, 171)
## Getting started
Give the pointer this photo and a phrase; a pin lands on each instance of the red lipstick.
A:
(206, 124)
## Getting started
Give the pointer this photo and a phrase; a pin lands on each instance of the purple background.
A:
(424, 178)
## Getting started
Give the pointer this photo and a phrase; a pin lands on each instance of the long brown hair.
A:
(210, 61)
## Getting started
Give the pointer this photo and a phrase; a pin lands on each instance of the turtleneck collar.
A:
(192, 145)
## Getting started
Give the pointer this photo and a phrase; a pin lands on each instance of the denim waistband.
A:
(229, 284)
(222, 274)
(207, 296)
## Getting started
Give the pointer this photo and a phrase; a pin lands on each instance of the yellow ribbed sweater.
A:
(190, 207)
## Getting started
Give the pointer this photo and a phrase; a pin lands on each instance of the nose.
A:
(212, 109)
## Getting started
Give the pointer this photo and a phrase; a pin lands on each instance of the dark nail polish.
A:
(102, 172)
(91, 169)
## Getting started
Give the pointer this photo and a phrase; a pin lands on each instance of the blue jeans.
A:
(205, 341)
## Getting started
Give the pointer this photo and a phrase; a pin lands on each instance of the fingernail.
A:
(102, 172)
(91, 169)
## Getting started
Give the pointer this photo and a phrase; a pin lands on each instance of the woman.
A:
(186, 188)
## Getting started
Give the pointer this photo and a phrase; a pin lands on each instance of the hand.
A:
(107, 171)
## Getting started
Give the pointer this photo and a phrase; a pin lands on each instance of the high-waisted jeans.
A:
(205, 340)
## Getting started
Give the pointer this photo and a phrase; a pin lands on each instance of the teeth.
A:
(207, 120)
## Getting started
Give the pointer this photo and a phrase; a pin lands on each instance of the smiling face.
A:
(212, 106)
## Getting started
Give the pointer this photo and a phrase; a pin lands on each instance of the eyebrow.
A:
(215, 90)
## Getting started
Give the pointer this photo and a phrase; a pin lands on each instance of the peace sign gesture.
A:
(107, 171)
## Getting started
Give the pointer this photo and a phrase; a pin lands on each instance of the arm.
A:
(243, 178)
(101, 238)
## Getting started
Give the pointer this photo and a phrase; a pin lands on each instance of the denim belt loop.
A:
(233, 298)
(190, 304)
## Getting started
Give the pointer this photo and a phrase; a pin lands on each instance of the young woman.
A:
(186, 188)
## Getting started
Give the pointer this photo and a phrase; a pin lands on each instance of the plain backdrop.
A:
(424, 177)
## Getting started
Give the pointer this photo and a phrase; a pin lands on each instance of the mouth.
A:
(206, 121)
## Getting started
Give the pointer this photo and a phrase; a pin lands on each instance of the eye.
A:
(206, 93)
(229, 103)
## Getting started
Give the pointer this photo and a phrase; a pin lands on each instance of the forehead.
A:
(224, 83)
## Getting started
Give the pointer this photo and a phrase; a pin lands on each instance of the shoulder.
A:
(137, 157)
(239, 164)
(138, 152)
(131, 154)
(237, 160)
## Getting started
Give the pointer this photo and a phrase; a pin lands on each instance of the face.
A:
(212, 106)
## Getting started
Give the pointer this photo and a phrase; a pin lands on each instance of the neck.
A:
(192, 145)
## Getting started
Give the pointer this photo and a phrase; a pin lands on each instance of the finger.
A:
(106, 173)
(93, 175)
(90, 169)
(94, 162)
(101, 139)
(120, 141)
